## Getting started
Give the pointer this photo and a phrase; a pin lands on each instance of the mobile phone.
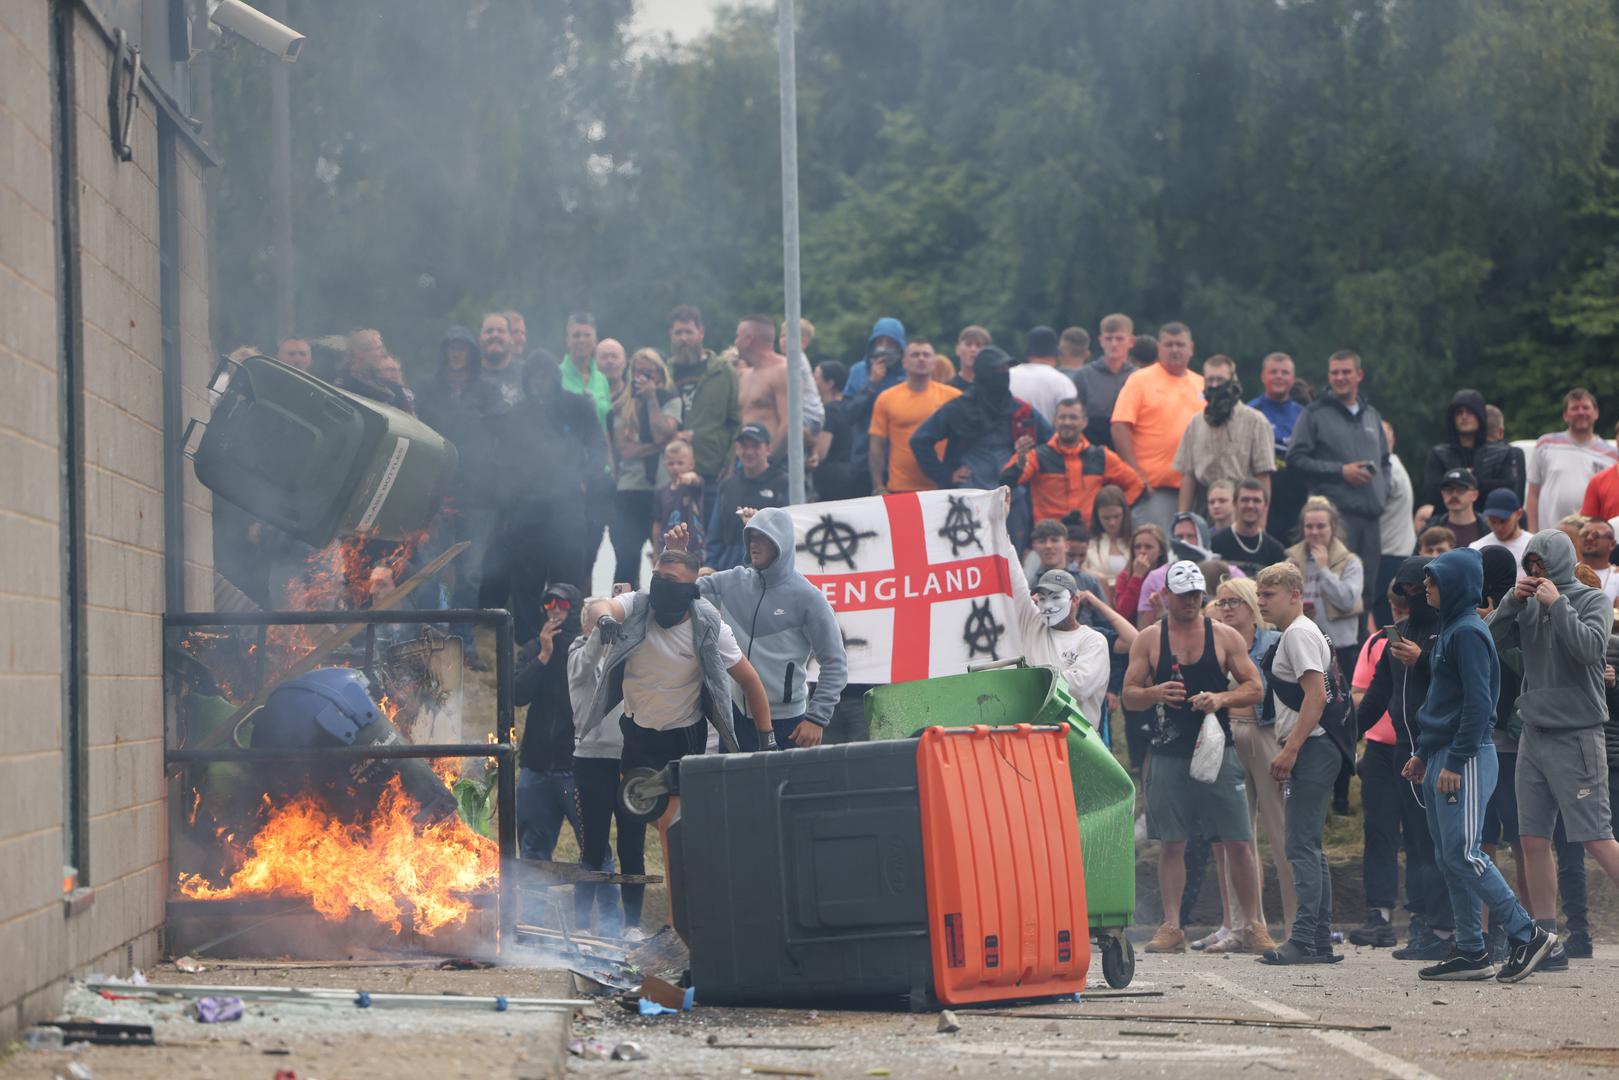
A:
(1393, 634)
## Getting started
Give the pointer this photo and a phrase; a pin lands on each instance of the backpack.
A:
(1338, 718)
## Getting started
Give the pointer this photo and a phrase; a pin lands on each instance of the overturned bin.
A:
(1104, 796)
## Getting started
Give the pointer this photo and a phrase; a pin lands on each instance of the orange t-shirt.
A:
(1159, 405)
(895, 415)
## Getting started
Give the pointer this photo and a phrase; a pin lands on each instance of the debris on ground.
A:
(629, 1051)
(219, 1010)
(589, 1049)
(948, 1024)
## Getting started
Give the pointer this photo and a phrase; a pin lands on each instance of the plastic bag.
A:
(1209, 753)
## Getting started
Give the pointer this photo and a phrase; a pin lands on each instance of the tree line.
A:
(1434, 183)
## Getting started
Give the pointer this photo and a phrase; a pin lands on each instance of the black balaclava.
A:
(1422, 619)
(992, 375)
(670, 599)
(1500, 572)
(1220, 401)
(542, 377)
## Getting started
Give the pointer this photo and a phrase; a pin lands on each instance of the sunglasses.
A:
(557, 602)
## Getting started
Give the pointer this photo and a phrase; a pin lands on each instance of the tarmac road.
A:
(1551, 1025)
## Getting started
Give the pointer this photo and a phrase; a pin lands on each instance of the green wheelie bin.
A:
(1103, 792)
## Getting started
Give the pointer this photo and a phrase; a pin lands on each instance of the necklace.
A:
(1259, 543)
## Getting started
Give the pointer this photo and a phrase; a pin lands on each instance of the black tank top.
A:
(1177, 728)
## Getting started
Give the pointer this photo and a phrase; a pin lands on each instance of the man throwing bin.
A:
(1184, 670)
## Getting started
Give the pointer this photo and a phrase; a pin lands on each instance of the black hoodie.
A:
(549, 446)
(1397, 689)
(462, 414)
(1496, 464)
(548, 728)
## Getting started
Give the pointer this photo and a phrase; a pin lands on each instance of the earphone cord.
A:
(1405, 721)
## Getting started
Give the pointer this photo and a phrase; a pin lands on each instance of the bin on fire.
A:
(1104, 795)
(318, 462)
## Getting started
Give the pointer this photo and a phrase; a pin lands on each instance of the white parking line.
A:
(1127, 1050)
(1340, 1040)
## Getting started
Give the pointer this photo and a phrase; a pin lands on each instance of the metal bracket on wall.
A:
(126, 57)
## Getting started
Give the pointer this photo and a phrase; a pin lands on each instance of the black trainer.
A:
(1578, 945)
(1376, 932)
(1525, 956)
(1557, 959)
(1425, 945)
(1459, 968)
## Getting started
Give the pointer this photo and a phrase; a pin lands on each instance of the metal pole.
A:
(281, 186)
(789, 249)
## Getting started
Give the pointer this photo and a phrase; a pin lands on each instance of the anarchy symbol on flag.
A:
(919, 582)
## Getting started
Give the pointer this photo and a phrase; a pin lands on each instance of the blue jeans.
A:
(1457, 821)
(747, 736)
(543, 800)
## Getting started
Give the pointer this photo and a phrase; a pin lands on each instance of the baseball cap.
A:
(1184, 577)
(1501, 504)
(1053, 580)
(1459, 478)
(757, 432)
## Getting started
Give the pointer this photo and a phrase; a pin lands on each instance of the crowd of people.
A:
(1192, 557)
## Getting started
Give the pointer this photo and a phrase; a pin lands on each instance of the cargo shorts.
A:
(1179, 807)
(1564, 772)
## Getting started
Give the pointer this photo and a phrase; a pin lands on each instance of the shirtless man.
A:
(1182, 668)
(763, 389)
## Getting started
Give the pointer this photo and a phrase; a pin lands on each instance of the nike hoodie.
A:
(1563, 644)
(780, 620)
(1464, 671)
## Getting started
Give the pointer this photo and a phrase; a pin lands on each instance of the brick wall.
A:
(122, 386)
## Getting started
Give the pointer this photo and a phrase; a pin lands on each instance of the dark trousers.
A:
(631, 526)
(747, 736)
(1571, 879)
(595, 787)
(1387, 567)
(849, 723)
(1364, 536)
(1305, 797)
(1395, 819)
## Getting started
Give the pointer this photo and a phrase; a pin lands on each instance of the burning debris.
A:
(385, 862)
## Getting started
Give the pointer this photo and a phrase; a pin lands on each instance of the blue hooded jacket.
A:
(860, 374)
(1465, 672)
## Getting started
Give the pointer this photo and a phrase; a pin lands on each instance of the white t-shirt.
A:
(1394, 527)
(1303, 648)
(1042, 387)
(1517, 545)
(1080, 655)
(1562, 468)
(663, 678)
(1608, 579)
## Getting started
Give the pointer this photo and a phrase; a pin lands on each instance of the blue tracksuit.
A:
(1454, 735)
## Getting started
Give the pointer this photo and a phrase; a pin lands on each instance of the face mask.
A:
(1054, 606)
(671, 600)
(1221, 400)
(997, 382)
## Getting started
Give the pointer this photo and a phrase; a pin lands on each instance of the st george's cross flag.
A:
(920, 582)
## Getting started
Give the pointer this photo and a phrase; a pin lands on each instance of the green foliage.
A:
(1429, 182)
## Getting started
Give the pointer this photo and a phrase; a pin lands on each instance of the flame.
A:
(447, 769)
(381, 865)
(196, 804)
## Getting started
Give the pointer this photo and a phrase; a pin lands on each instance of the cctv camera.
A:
(257, 28)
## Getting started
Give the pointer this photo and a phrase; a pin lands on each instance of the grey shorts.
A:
(1179, 808)
(1563, 772)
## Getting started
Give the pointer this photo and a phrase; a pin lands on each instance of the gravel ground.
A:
(329, 1042)
(1552, 1025)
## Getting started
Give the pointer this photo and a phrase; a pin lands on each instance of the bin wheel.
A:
(1118, 961)
(643, 796)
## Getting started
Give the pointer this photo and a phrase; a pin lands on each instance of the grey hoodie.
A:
(780, 620)
(1563, 645)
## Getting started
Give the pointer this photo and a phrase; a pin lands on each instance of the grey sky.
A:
(682, 19)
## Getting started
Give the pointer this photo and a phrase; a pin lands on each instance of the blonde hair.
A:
(1117, 324)
(1245, 590)
(1324, 505)
(1284, 574)
(626, 408)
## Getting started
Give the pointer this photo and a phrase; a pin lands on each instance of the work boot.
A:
(1257, 938)
(1168, 939)
(1376, 932)
(1578, 945)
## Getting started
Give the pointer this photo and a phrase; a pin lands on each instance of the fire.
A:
(383, 865)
